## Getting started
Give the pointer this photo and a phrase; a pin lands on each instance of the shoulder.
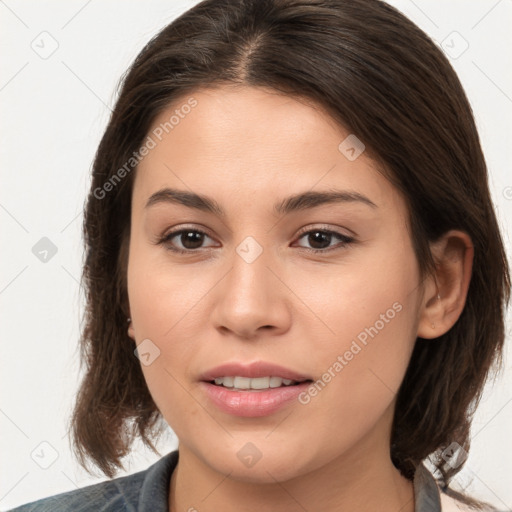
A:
(449, 504)
(117, 494)
(431, 498)
(114, 494)
(149, 486)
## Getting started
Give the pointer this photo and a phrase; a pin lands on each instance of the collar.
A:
(426, 491)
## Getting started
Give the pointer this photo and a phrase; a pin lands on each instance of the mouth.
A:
(255, 389)
(239, 383)
(253, 375)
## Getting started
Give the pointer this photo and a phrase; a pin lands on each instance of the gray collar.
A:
(426, 491)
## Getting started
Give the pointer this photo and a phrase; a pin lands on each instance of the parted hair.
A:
(378, 75)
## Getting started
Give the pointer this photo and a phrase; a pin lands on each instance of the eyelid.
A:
(326, 227)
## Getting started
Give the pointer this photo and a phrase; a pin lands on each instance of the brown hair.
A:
(377, 74)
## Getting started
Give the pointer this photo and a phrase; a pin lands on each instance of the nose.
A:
(252, 299)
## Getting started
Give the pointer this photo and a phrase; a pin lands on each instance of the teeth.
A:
(256, 383)
(227, 381)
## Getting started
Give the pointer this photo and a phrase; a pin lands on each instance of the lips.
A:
(252, 402)
(253, 370)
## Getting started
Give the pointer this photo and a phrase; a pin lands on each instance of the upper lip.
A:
(252, 370)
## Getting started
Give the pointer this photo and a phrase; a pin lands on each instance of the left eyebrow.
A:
(308, 200)
(297, 202)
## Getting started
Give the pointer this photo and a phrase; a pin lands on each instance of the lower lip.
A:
(253, 403)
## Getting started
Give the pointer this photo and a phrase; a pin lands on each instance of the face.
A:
(328, 291)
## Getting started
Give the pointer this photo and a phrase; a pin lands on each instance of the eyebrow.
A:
(295, 203)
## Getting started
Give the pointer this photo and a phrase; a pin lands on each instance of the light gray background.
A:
(53, 111)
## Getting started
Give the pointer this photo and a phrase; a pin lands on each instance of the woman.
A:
(293, 259)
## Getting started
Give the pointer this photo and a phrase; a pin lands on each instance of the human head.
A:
(380, 77)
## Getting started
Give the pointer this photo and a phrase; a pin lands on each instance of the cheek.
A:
(369, 297)
(369, 311)
(163, 297)
(165, 308)
(359, 378)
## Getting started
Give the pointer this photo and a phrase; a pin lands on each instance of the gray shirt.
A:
(148, 491)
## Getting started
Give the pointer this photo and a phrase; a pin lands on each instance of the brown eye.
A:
(185, 240)
(320, 240)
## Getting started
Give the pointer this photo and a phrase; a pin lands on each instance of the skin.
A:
(249, 148)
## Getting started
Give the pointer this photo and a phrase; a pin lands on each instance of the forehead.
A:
(261, 119)
(247, 140)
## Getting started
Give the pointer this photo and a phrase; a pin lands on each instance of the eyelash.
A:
(345, 240)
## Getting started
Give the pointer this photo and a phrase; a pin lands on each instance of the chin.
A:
(259, 462)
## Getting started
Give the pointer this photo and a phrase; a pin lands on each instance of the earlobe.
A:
(446, 291)
(131, 331)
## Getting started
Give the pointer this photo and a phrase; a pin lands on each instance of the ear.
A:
(446, 291)
(131, 330)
